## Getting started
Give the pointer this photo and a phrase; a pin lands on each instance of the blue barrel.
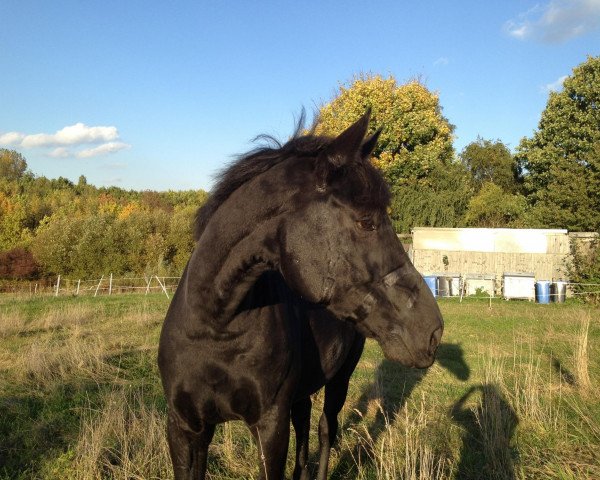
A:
(431, 283)
(542, 291)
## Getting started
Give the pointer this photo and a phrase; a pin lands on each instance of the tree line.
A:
(55, 226)
(551, 180)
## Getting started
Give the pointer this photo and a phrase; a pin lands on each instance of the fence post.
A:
(57, 286)
(163, 286)
(96, 292)
(110, 285)
(148, 285)
(78, 283)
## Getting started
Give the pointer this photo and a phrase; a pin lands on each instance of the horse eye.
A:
(366, 224)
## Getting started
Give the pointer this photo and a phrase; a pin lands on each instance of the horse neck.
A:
(239, 243)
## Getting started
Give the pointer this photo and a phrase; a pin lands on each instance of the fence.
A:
(109, 285)
(105, 285)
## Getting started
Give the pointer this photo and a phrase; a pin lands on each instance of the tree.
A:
(414, 150)
(494, 207)
(440, 199)
(489, 161)
(414, 133)
(55, 241)
(561, 162)
(583, 268)
(181, 239)
(13, 217)
(18, 263)
(12, 164)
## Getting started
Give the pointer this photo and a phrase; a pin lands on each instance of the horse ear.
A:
(342, 149)
(369, 145)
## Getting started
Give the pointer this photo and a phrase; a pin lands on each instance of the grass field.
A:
(513, 394)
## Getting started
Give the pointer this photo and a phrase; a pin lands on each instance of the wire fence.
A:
(111, 285)
(105, 285)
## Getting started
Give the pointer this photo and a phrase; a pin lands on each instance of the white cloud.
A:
(72, 135)
(556, 21)
(104, 149)
(11, 138)
(442, 61)
(554, 86)
(75, 137)
(60, 152)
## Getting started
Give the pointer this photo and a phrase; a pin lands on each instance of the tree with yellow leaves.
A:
(414, 151)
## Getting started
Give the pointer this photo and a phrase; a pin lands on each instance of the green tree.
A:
(181, 237)
(12, 164)
(561, 162)
(489, 161)
(583, 268)
(440, 199)
(414, 151)
(54, 243)
(13, 216)
(494, 207)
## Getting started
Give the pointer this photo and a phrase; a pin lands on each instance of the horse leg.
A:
(189, 450)
(336, 391)
(301, 422)
(328, 425)
(272, 434)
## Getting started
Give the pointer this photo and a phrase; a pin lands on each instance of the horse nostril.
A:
(436, 336)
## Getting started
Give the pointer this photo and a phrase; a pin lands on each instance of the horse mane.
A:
(247, 166)
(363, 182)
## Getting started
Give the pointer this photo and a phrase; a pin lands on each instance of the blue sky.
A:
(161, 95)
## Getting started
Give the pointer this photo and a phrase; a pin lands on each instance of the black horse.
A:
(292, 241)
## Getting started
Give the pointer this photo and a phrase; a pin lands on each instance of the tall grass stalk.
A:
(531, 393)
(581, 354)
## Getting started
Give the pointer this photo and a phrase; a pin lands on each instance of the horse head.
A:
(339, 249)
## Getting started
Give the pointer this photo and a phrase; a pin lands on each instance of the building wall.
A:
(491, 251)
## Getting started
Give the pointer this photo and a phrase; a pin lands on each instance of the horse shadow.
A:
(392, 387)
(487, 432)
(565, 374)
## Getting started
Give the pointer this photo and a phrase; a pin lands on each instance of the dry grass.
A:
(53, 360)
(531, 388)
(14, 321)
(124, 441)
(581, 359)
(402, 449)
(516, 414)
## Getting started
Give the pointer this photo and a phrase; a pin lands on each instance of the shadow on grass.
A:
(38, 425)
(565, 375)
(487, 432)
(393, 385)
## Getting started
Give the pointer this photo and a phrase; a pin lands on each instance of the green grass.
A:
(507, 398)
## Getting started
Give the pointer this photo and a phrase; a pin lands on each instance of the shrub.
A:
(18, 263)
(584, 269)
